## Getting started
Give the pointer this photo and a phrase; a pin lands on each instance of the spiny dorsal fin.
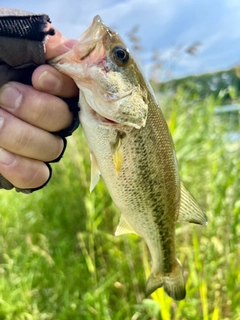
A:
(123, 227)
(189, 209)
(95, 173)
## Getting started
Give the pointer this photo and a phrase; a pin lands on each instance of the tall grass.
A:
(60, 260)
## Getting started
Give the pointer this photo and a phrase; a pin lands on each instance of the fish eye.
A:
(120, 55)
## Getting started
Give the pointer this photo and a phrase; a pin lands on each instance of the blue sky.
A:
(169, 26)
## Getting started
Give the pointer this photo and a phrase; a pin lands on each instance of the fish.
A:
(131, 148)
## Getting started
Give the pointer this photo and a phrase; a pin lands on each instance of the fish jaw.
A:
(108, 88)
(77, 61)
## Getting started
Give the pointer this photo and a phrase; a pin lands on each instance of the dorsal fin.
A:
(123, 227)
(95, 173)
(189, 210)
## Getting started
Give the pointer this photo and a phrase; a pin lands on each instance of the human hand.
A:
(28, 114)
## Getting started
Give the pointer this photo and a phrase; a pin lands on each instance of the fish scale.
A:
(132, 149)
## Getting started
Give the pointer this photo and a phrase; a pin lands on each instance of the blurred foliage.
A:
(58, 256)
(222, 84)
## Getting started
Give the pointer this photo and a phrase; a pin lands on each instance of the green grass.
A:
(59, 258)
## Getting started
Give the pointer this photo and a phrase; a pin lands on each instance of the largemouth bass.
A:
(132, 149)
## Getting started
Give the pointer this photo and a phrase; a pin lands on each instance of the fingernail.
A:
(6, 157)
(49, 82)
(10, 97)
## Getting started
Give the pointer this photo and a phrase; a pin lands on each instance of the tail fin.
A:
(174, 284)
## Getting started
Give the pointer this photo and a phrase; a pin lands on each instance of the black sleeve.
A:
(22, 39)
(22, 49)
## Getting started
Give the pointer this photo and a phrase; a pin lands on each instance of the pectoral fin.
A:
(189, 209)
(95, 173)
(123, 227)
(117, 153)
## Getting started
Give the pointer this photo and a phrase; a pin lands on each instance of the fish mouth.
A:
(88, 51)
(95, 32)
(87, 45)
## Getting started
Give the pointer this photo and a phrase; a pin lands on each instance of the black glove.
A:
(22, 39)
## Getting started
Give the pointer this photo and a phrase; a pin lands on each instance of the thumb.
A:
(57, 44)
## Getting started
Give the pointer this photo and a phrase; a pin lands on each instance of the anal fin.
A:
(123, 227)
(189, 210)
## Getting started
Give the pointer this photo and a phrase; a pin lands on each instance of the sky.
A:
(167, 27)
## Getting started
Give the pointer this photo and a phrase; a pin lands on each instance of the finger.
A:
(57, 44)
(28, 141)
(22, 172)
(40, 109)
(48, 79)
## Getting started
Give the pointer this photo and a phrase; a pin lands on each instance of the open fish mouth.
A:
(94, 32)
(89, 42)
